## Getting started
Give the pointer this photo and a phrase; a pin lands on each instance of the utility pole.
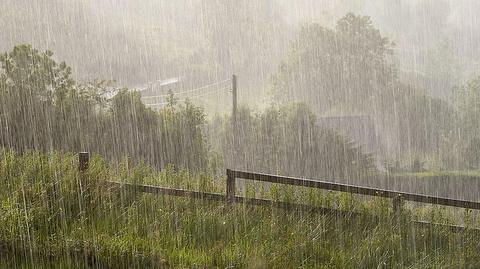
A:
(234, 120)
(234, 100)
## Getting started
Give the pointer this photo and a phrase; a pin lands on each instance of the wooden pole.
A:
(83, 159)
(234, 99)
(397, 207)
(234, 120)
(230, 190)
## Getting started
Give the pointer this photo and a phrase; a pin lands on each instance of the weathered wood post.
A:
(397, 207)
(230, 191)
(83, 159)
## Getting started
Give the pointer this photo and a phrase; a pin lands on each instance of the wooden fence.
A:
(232, 175)
(231, 197)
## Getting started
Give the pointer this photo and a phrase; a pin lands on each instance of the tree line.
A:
(347, 70)
(350, 70)
(43, 108)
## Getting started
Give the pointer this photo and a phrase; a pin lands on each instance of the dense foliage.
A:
(349, 70)
(343, 66)
(41, 107)
(287, 140)
(467, 100)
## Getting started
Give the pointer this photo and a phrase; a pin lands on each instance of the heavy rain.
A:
(239, 134)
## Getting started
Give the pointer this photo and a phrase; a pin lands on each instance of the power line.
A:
(161, 82)
(157, 104)
(188, 91)
(207, 93)
(192, 97)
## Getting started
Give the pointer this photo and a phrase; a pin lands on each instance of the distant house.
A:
(155, 94)
(360, 129)
(160, 87)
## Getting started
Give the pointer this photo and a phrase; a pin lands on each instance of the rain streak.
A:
(239, 134)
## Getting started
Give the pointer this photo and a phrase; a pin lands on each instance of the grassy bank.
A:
(47, 219)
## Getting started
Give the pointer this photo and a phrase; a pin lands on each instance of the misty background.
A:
(135, 43)
(428, 53)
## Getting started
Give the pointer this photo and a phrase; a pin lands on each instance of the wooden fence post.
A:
(397, 207)
(230, 191)
(83, 159)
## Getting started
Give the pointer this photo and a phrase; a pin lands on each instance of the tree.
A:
(348, 70)
(344, 66)
(30, 83)
(287, 140)
(467, 101)
(32, 74)
(43, 108)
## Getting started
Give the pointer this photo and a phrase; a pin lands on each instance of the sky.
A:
(134, 42)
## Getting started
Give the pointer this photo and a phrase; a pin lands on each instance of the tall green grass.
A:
(48, 220)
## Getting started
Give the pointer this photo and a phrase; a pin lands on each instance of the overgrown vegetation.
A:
(43, 108)
(350, 70)
(287, 140)
(46, 218)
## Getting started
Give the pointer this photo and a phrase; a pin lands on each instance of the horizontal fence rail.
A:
(168, 191)
(221, 197)
(325, 185)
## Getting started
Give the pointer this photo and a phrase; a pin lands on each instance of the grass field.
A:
(47, 220)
